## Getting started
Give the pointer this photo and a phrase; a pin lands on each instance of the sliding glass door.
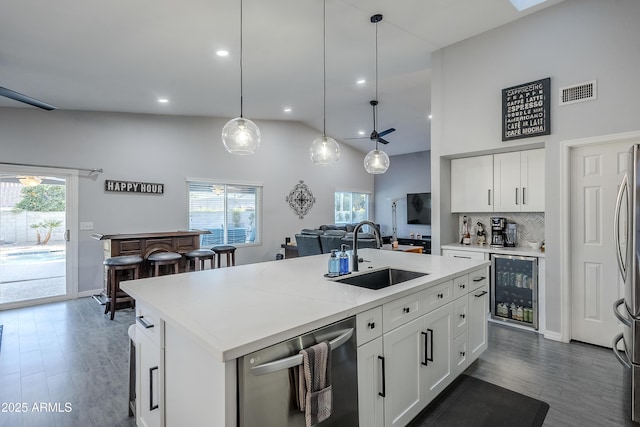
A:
(35, 257)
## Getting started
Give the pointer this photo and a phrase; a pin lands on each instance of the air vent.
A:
(580, 92)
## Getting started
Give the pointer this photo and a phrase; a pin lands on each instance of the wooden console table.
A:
(144, 244)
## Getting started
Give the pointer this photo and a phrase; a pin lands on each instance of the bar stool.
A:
(127, 264)
(199, 256)
(229, 250)
(158, 259)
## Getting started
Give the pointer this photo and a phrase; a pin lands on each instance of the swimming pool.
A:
(32, 257)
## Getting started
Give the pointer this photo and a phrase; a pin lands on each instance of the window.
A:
(351, 208)
(230, 212)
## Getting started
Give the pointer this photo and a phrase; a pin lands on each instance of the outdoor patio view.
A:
(32, 245)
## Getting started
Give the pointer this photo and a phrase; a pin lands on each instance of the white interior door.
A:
(596, 173)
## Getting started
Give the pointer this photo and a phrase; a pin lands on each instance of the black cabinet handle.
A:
(462, 353)
(428, 344)
(440, 296)
(481, 294)
(151, 405)
(462, 316)
(371, 325)
(143, 322)
(462, 286)
(478, 279)
(383, 393)
(406, 310)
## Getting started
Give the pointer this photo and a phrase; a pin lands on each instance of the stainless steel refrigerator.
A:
(627, 309)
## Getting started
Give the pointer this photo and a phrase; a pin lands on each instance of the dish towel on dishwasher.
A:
(314, 385)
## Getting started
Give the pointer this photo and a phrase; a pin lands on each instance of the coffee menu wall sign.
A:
(133, 187)
(525, 110)
(301, 199)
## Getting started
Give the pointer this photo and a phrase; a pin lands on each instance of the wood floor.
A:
(70, 353)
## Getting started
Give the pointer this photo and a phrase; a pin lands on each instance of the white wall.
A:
(572, 42)
(407, 173)
(168, 149)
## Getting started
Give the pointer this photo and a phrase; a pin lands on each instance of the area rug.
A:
(470, 402)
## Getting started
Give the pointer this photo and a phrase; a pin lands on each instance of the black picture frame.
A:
(526, 110)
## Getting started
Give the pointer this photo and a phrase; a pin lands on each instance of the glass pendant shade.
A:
(30, 181)
(241, 136)
(376, 162)
(324, 151)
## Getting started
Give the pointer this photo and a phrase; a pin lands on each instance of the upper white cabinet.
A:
(518, 181)
(508, 182)
(472, 184)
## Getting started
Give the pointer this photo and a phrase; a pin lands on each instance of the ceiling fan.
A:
(12, 94)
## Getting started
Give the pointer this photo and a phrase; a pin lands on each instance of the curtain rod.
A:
(54, 167)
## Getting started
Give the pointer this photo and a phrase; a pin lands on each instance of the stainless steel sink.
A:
(380, 278)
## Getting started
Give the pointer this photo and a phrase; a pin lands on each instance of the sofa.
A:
(325, 238)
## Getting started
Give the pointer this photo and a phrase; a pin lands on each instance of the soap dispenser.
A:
(334, 264)
(344, 261)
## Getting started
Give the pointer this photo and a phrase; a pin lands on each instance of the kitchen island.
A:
(196, 325)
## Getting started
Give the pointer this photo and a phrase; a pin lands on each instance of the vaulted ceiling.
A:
(121, 56)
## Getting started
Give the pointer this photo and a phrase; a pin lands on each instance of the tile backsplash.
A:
(530, 225)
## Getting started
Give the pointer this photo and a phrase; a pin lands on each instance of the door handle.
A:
(295, 360)
(151, 405)
(383, 393)
(67, 235)
(428, 345)
(616, 224)
(623, 362)
(619, 315)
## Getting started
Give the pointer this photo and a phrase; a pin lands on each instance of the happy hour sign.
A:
(525, 110)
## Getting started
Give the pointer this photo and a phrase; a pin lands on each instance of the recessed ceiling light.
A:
(287, 109)
(430, 116)
(163, 100)
(222, 52)
(361, 81)
(361, 132)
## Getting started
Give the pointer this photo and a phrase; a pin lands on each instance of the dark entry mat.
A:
(470, 402)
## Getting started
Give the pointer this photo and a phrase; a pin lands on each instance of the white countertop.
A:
(237, 310)
(518, 251)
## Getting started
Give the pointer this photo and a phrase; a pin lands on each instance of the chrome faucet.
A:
(376, 233)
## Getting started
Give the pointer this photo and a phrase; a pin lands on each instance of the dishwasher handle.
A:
(295, 360)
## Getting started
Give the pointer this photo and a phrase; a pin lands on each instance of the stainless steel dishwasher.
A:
(265, 392)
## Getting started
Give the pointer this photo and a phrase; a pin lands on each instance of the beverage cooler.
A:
(514, 289)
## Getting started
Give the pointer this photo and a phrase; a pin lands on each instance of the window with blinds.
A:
(351, 208)
(230, 212)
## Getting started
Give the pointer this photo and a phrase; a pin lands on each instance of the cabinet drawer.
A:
(369, 325)
(400, 311)
(460, 286)
(438, 296)
(478, 279)
(463, 254)
(150, 324)
(460, 315)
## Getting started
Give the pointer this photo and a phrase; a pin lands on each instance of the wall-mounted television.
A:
(419, 208)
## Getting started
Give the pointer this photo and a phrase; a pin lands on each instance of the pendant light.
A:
(30, 181)
(376, 161)
(241, 136)
(324, 150)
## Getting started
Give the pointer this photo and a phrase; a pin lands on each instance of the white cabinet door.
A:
(472, 184)
(478, 308)
(437, 353)
(148, 387)
(460, 315)
(371, 386)
(460, 354)
(403, 354)
(532, 174)
(506, 182)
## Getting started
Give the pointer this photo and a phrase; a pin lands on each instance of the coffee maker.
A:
(498, 225)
